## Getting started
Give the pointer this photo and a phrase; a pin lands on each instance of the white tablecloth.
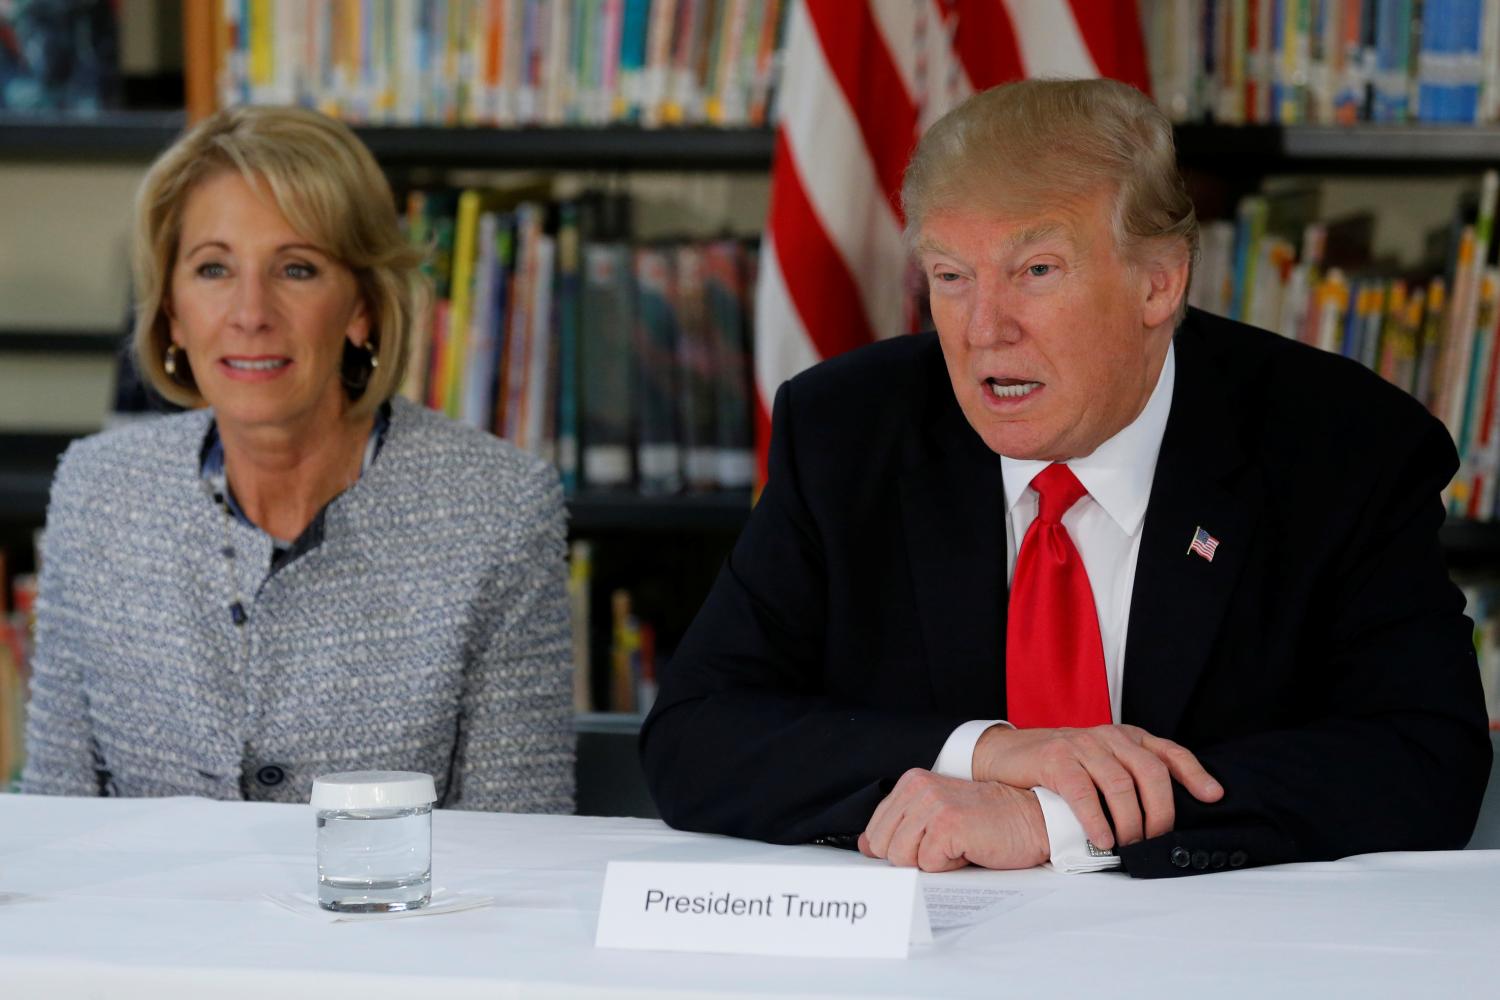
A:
(166, 898)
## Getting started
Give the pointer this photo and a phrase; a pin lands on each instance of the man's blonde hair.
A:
(331, 191)
(1024, 145)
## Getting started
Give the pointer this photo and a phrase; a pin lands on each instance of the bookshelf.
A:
(114, 135)
(591, 149)
(72, 342)
(598, 512)
(1243, 149)
(1363, 148)
(140, 135)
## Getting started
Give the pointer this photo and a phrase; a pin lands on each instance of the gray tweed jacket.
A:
(428, 632)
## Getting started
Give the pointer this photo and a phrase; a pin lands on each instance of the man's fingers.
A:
(889, 811)
(1078, 789)
(1117, 786)
(906, 841)
(877, 828)
(1185, 768)
(1153, 788)
(934, 855)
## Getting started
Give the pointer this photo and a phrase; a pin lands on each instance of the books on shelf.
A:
(507, 62)
(1432, 331)
(625, 682)
(632, 658)
(625, 364)
(16, 625)
(1293, 62)
(580, 578)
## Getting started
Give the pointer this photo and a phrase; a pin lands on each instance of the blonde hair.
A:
(1040, 142)
(331, 191)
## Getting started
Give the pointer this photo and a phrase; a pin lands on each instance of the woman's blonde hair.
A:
(1022, 145)
(331, 191)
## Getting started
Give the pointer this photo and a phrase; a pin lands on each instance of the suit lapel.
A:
(1180, 597)
(952, 512)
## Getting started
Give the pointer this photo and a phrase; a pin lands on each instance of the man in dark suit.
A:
(1085, 576)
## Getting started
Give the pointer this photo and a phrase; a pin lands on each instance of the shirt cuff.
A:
(1071, 851)
(956, 760)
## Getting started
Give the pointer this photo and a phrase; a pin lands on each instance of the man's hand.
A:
(1131, 768)
(938, 824)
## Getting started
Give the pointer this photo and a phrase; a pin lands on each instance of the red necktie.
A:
(1054, 660)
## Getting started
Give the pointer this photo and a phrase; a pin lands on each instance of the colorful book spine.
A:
(465, 252)
(580, 584)
(538, 429)
(630, 96)
(521, 325)
(1431, 344)
(1468, 68)
(569, 302)
(1248, 233)
(658, 432)
(1489, 92)
(654, 86)
(694, 358)
(606, 333)
(726, 297)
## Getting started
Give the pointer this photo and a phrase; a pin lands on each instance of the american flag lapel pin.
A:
(1203, 544)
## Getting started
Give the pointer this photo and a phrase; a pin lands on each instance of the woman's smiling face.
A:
(261, 313)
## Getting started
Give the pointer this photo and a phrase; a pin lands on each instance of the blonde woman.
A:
(303, 573)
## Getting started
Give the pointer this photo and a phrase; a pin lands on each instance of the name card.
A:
(813, 911)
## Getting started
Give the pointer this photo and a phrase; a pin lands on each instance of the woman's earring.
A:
(169, 363)
(374, 358)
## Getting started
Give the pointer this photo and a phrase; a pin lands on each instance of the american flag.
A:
(861, 80)
(1204, 544)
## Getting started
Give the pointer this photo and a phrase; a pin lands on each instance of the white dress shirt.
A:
(1105, 525)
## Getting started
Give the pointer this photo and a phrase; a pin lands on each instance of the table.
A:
(165, 898)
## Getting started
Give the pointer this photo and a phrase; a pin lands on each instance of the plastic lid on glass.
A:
(373, 790)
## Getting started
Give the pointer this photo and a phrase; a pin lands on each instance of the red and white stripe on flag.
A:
(860, 82)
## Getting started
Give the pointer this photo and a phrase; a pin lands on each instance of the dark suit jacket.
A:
(1320, 666)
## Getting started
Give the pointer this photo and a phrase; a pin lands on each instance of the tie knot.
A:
(1057, 490)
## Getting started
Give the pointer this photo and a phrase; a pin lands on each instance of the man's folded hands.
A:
(937, 823)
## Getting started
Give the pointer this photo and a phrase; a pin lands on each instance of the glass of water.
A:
(374, 840)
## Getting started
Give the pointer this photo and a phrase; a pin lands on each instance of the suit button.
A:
(1218, 859)
(1200, 860)
(270, 775)
(1238, 859)
(1180, 857)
